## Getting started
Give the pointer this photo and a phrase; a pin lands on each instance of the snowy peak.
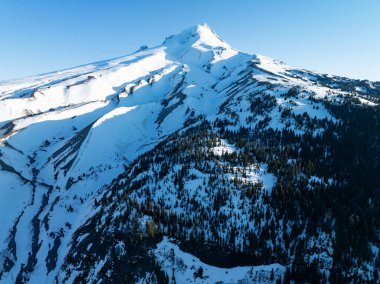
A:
(197, 46)
(195, 36)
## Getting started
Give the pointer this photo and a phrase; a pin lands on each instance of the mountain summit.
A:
(188, 162)
(201, 34)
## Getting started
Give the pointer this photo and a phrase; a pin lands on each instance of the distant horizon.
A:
(331, 38)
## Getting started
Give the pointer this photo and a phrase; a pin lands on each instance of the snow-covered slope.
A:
(66, 135)
(189, 269)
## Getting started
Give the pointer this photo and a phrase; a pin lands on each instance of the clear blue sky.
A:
(339, 37)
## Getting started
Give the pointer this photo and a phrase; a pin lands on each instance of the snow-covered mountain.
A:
(84, 149)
